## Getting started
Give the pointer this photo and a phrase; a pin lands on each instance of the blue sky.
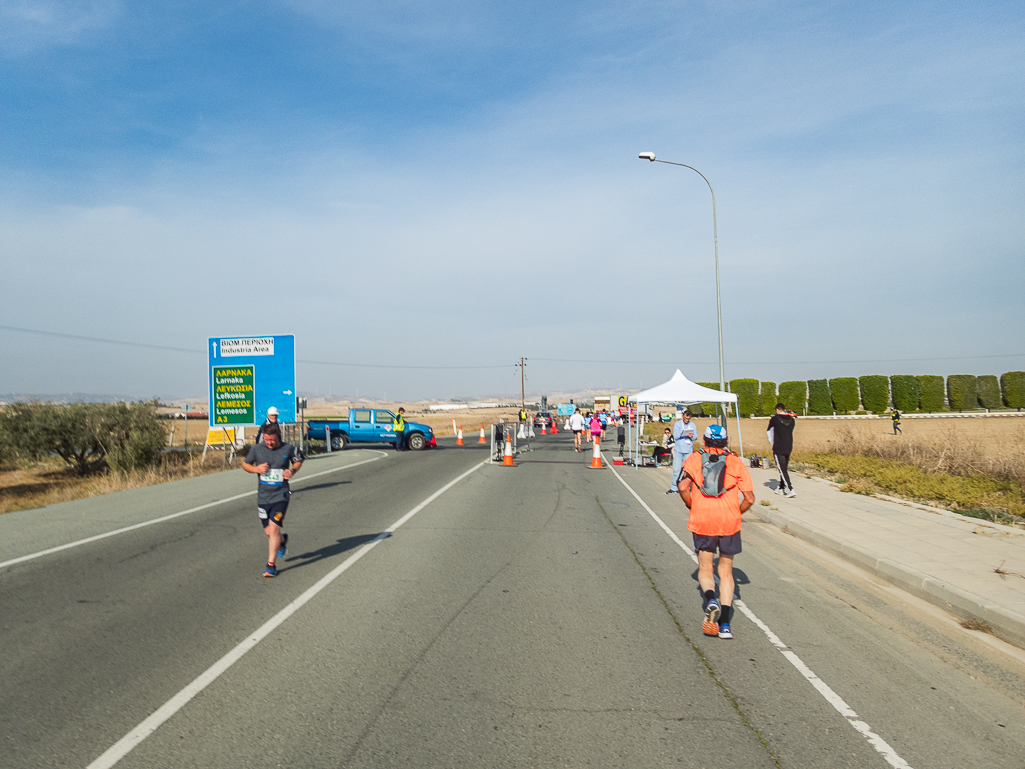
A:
(459, 186)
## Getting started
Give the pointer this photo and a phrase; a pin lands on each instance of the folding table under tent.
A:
(682, 391)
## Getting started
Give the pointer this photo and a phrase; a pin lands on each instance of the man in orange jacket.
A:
(716, 504)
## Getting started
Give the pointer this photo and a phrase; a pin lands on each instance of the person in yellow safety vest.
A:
(400, 430)
(523, 415)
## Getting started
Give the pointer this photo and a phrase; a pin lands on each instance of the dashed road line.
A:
(878, 743)
(128, 743)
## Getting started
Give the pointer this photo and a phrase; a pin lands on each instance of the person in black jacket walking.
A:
(781, 437)
(272, 419)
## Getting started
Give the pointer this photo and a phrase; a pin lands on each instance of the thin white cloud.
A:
(27, 26)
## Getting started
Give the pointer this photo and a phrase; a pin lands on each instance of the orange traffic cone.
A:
(482, 439)
(596, 457)
(554, 428)
(459, 436)
(543, 430)
(507, 459)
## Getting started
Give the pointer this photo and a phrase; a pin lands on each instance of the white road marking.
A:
(172, 516)
(834, 699)
(127, 743)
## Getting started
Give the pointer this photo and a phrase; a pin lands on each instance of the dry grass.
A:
(993, 448)
(51, 481)
(972, 466)
(976, 625)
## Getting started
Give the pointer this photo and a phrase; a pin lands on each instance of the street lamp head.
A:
(647, 156)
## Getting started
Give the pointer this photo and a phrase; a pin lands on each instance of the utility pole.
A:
(523, 383)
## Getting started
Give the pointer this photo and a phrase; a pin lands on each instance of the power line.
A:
(98, 339)
(780, 362)
(193, 351)
(385, 365)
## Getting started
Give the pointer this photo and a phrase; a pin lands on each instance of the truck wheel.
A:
(339, 442)
(417, 441)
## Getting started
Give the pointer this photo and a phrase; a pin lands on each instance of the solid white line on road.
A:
(127, 743)
(834, 699)
(172, 516)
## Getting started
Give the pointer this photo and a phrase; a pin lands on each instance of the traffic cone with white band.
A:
(507, 459)
(482, 438)
(543, 430)
(596, 457)
(459, 436)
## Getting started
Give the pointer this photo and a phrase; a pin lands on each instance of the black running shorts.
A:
(725, 545)
(274, 513)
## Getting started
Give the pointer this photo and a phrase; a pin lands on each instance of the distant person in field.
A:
(781, 437)
(276, 463)
(272, 419)
(576, 424)
(685, 433)
(895, 416)
(717, 489)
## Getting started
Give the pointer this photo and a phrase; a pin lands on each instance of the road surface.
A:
(534, 616)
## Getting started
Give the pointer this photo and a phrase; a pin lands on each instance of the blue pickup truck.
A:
(370, 426)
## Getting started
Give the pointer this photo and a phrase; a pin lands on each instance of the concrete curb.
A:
(1008, 625)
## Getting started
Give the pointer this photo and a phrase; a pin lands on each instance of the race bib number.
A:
(272, 477)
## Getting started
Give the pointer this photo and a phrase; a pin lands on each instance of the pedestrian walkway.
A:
(947, 559)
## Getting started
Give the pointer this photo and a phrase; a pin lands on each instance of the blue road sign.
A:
(248, 375)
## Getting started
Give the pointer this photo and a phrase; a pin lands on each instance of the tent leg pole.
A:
(739, 435)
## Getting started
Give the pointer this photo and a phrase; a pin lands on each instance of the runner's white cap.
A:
(272, 410)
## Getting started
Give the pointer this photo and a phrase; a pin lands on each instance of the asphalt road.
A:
(526, 617)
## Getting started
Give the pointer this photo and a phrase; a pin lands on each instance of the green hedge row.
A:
(988, 392)
(819, 400)
(747, 395)
(1013, 386)
(875, 393)
(905, 392)
(794, 395)
(845, 394)
(962, 392)
(930, 388)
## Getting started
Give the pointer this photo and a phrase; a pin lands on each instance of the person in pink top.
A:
(595, 425)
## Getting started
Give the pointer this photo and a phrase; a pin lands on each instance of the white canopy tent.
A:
(682, 391)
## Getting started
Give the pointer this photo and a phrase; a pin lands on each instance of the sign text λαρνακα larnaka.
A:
(250, 346)
(234, 396)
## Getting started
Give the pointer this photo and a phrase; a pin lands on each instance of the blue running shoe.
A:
(724, 631)
(283, 548)
(270, 571)
(710, 626)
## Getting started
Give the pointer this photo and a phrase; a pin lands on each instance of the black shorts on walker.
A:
(273, 513)
(725, 545)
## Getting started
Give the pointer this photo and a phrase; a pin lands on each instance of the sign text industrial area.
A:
(234, 347)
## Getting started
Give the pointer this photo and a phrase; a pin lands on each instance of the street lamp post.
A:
(715, 235)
